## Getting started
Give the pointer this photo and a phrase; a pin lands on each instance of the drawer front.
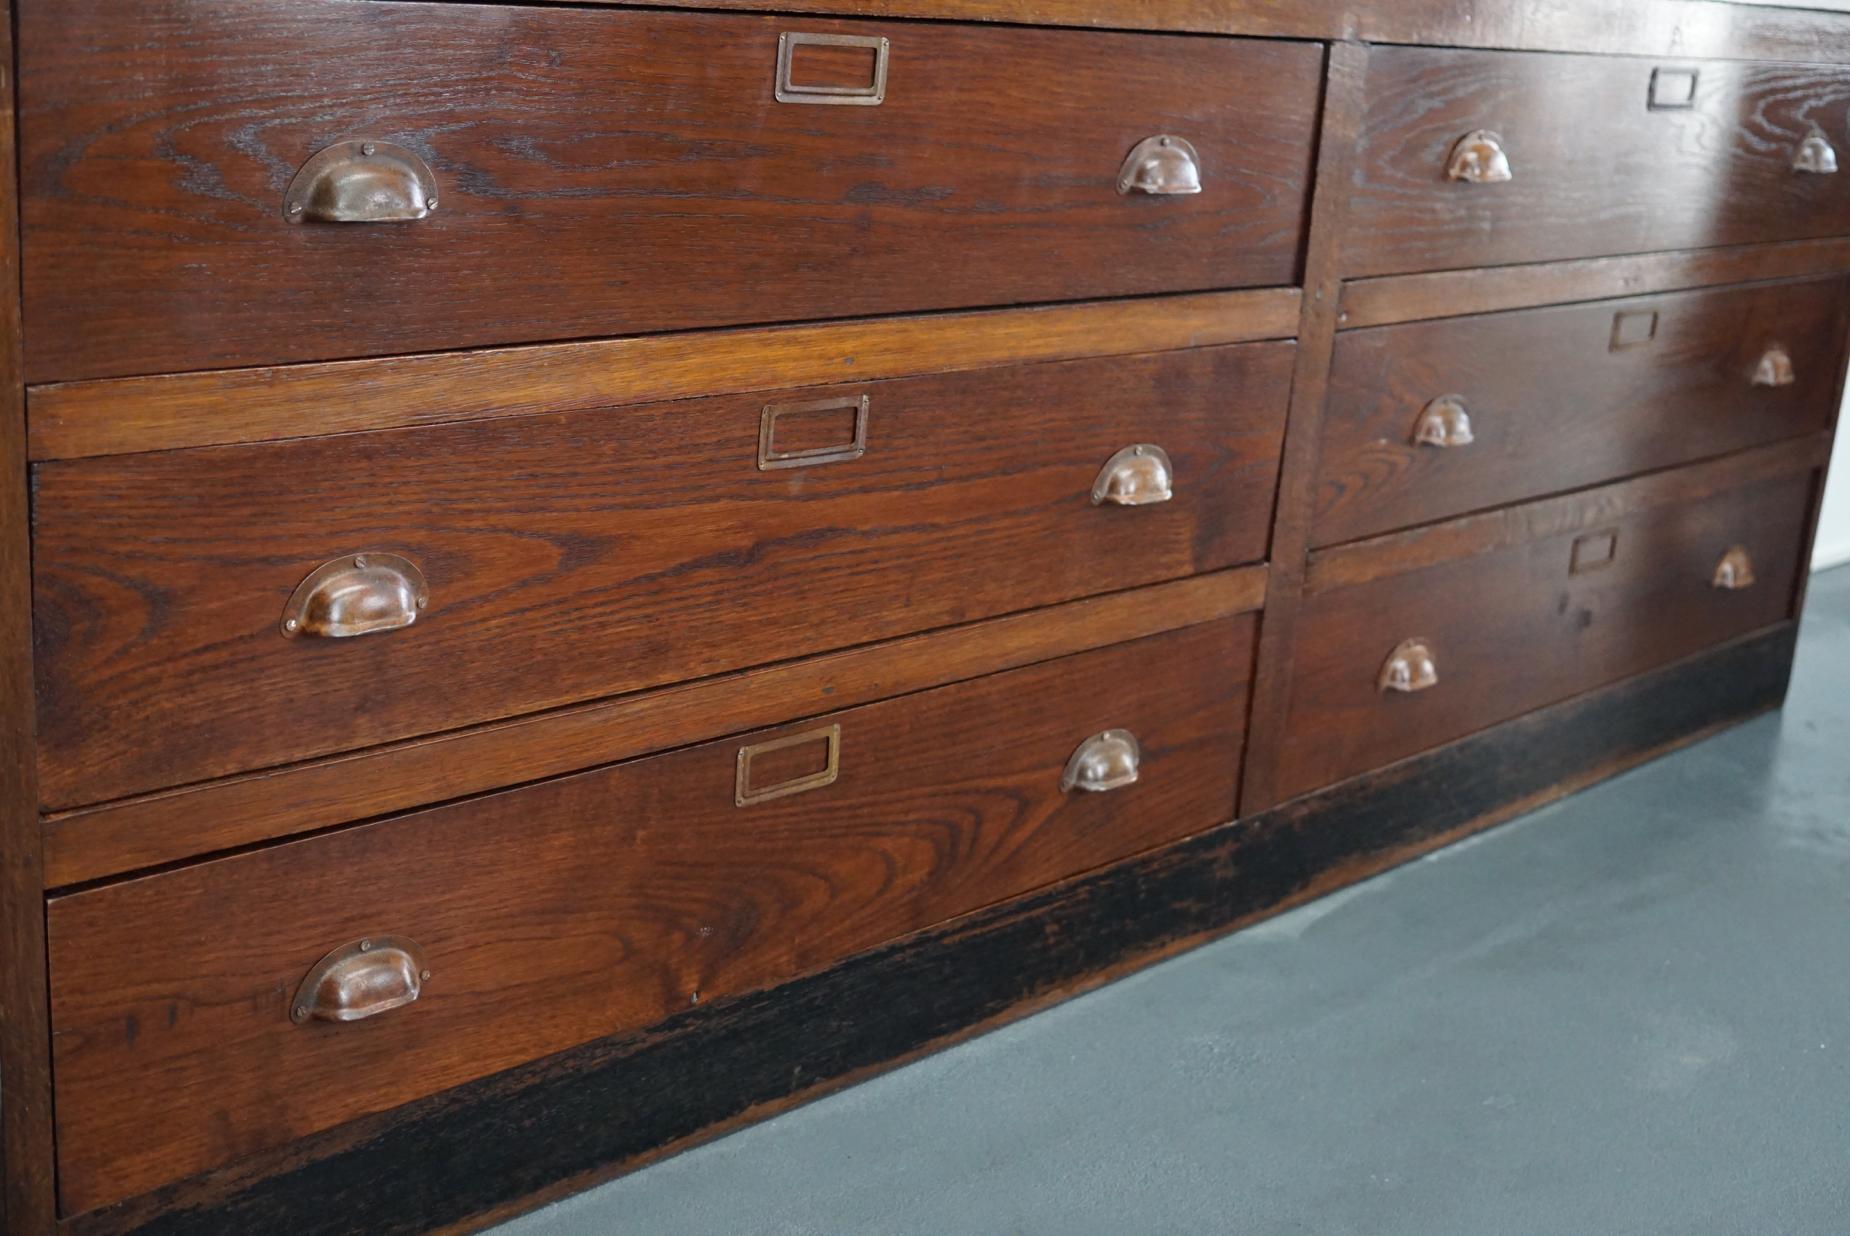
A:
(566, 557)
(604, 902)
(1605, 155)
(605, 172)
(1515, 629)
(1561, 398)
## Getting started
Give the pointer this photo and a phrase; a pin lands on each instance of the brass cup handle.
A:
(1478, 158)
(1103, 762)
(1444, 423)
(361, 181)
(1410, 668)
(1164, 166)
(1735, 571)
(357, 594)
(1775, 368)
(1140, 475)
(360, 980)
(1815, 154)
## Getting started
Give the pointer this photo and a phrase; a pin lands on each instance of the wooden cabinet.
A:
(546, 916)
(607, 171)
(1413, 641)
(1433, 419)
(578, 574)
(565, 557)
(1594, 155)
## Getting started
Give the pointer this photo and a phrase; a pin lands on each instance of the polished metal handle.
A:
(360, 594)
(1775, 368)
(1164, 165)
(1138, 475)
(360, 980)
(1410, 667)
(1478, 158)
(1815, 154)
(1444, 423)
(1735, 571)
(361, 181)
(1105, 761)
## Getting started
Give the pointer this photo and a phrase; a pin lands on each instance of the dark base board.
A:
(494, 1147)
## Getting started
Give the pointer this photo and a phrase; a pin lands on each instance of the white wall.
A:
(1833, 546)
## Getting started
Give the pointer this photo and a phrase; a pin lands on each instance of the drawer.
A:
(1522, 609)
(1561, 398)
(600, 171)
(604, 902)
(565, 557)
(1606, 155)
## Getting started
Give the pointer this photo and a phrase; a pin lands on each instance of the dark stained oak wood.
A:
(26, 1198)
(1291, 522)
(1459, 293)
(1394, 553)
(162, 828)
(581, 555)
(1517, 626)
(1745, 29)
(553, 915)
(612, 172)
(1554, 405)
(125, 415)
(1596, 171)
(507, 1143)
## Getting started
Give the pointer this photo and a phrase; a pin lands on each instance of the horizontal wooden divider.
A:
(1457, 293)
(114, 416)
(136, 833)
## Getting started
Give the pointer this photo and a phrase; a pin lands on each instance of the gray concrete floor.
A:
(1626, 1013)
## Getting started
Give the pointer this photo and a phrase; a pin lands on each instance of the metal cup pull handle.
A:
(1815, 155)
(360, 980)
(1444, 423)
(357, 594)
(1478, 158)
(1735, 571)
(1775, 368)
(1410, 668)
(1107, 761)
(1164, 166)
(1140, 475)
(361, 181)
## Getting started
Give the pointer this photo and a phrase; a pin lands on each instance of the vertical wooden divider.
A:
(25, 1018)
(1345, 80)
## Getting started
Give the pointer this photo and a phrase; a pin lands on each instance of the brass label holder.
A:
(745, 794)
(870, 95)
(770, 458)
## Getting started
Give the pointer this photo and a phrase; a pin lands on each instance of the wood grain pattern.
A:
(1459, 293)
(615, 173)
(1395, 553)
(582, 555)
(123, 415)
(1596, 171)
(556, 914)
(1291, 521)
(492, 1148)
(162, 828)
(26, 1194)
(1745, 29)
(1518, 628)
(1555, 406)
